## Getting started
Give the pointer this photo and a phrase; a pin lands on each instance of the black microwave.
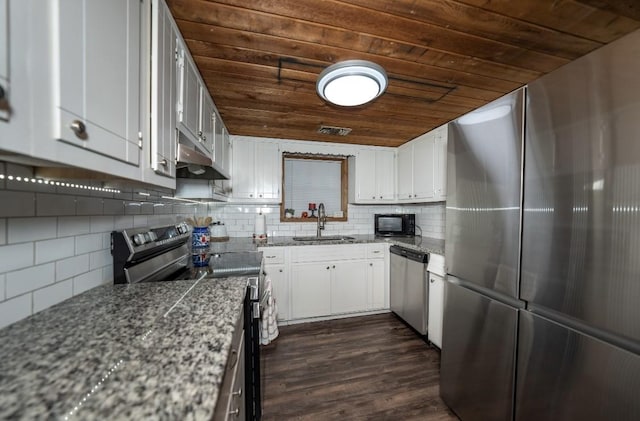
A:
(395, 224)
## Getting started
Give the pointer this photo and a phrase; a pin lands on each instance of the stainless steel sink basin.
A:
(324, 238)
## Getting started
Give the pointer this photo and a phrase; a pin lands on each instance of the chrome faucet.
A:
(322, 219)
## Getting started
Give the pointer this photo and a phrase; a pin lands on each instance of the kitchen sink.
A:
(324, 238)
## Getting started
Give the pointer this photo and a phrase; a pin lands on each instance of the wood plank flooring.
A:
(360, 368)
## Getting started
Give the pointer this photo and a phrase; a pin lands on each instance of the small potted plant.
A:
(288, 213)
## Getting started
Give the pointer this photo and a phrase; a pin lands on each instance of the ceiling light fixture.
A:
(351, 83)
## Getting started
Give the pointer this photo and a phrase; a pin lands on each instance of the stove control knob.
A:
(138, 239)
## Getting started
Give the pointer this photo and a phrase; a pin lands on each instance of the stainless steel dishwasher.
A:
(409, 287)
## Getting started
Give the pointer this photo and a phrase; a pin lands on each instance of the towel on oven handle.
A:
(268, 320)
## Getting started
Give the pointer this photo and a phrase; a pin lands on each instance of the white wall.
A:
(240, 220)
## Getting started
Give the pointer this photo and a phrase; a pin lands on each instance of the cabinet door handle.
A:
(328, 267)
(334, 266)
(235, 413)
(199, 133)
(238, 393)
(164, 163)
(79, 129)
(234, 357)
(281, 271)
(432, 280)
(370, 264)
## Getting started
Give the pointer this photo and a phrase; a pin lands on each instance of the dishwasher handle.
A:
(415, 255)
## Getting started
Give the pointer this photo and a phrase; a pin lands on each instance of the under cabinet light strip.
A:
(54, 183)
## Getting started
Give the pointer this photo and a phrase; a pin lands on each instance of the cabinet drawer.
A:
(272, 255)
(436, 264)
(302, 254)
(376, 251)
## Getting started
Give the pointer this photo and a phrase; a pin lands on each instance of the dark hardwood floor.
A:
(360, 368)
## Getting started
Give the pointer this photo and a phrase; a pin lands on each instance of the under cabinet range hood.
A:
(196, 165)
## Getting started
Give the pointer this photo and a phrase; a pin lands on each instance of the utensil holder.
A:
(200, 237)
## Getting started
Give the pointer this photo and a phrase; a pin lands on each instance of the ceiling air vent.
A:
(336, 131)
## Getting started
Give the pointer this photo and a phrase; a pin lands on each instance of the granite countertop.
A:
(141, 351)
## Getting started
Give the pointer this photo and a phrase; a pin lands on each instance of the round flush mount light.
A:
(351, 83)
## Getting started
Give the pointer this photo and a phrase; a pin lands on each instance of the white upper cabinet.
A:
(188, 94)
(205, 125)
(372, 176)
(164, 80)
(422, 168)
(440, 162)
(98, 74)
(4, 60)
(256, 170)
(195, 106)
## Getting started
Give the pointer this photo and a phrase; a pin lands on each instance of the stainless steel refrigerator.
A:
(579, 339)
(482, 255)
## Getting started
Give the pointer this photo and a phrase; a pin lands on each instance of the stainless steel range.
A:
(162, 254)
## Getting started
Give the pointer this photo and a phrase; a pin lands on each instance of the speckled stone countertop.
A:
(142, 351)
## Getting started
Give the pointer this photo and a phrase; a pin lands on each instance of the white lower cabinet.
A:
(349, 287)
(436, 298)
(328, 280)
(310, 290)
(278, 276)
(376, 276)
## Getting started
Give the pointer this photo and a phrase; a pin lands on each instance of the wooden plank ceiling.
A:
(260, 58)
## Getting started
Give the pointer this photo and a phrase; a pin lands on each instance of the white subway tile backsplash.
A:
(51, 295)
(48, 204)
(15, 309)
(50, 250)
(88, 243)
(17, 256)
(123, 222)
(21, 230)
(86, 281)
(72, 266)
(3, 231)
(132, 208)
(113, 207)
(146, 208)
(102, 223)
(27, 280)
(100, 258)
(73, 225)
(140, 221)
(89, 206)
(18, 204)
(107, 274)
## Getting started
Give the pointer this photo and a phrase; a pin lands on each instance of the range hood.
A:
(196, 165)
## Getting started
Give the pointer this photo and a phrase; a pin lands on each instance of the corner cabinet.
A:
(372, 176)
(422, 168)
(256, 171)
(98, 75)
